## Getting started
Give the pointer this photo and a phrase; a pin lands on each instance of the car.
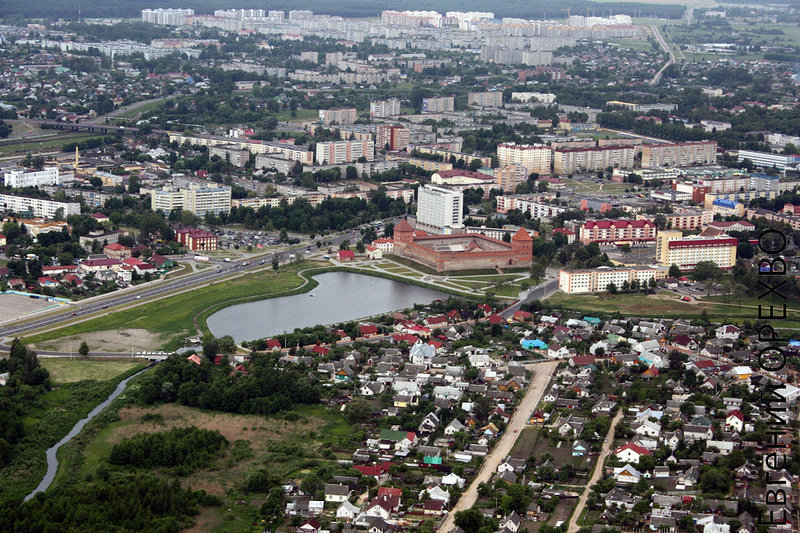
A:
(74, 314)
(139, 297)
(105, 307)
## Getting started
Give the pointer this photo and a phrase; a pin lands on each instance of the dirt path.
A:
(598, 471)
(542, 374)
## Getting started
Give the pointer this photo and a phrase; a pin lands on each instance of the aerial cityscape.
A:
(369, 267)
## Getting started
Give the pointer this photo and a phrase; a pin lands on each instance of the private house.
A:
(627, 475)
(630, 453)
(579, 448)
(347, 511)
(336, 493)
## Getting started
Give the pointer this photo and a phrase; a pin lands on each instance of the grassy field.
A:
(665, 305)
(171, 318)
(144, 108)
(78, 369)
(45, 144)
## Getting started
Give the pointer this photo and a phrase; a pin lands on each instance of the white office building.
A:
(38, 207)
(440, 210)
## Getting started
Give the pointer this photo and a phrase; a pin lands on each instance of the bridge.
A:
(89, 127)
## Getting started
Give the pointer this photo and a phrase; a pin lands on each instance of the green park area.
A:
(168, 321)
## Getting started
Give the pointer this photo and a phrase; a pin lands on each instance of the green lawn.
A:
(78, 369)
(172, 317)
(144, 108)
(45, 144)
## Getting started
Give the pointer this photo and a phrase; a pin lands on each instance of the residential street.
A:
(598, 472)
(543, 372)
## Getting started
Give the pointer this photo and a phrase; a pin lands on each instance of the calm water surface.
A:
(340, 297)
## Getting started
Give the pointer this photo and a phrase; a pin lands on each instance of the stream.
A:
(52, 452)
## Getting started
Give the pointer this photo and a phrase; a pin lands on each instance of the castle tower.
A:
(522, 243)
(403, 232)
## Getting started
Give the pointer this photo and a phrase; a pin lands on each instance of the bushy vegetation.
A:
(186, 449)
(119, 503)
(266, 389)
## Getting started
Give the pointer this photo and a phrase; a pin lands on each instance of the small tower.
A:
(403, 232)
(522, 242)
(77, 158)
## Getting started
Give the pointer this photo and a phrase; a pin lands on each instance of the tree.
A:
(674, 271)
(358, 411)
(611, 288)
(210, 346)
(470, 520)
(706, 270)
(275, 263)
(83, 349)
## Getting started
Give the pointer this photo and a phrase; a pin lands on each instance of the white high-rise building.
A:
(337, 152)
(439, 209)
(197, 199)
(168, 17)
(384, 108)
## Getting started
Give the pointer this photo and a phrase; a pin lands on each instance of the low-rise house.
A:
(627, 475)
(630, 453)
(347, 511)
(336, 493)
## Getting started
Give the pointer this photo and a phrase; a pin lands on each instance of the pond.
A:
(339, 297)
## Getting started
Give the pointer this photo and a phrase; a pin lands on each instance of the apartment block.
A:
(196, 239)
(679, 154)
(336, 152)
(34, 178)
(672, 248)
(687, 219)
(396, 137)
(611, 231)
(535, 158)
(438, 105)
(534, 206)
(510, 176)
(232, 154)
(299, 152)
(577, 160)
(346, 115)
(486, 99)
(384, 108)
(272, 161)
(598, 279)
(38, 207)
(199, 199)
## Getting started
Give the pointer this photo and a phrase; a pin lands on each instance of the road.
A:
(598, 472)
(157, 290)
(667, 49)
(542, 374)
(540, 292)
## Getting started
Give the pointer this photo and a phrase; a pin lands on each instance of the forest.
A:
(108, 504)
(184, 449)
(264, 390)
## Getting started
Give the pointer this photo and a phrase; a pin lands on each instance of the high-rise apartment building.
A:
(486, 99)
(38, 207)
(576, 160)
(168, 17)
(509, 177)
(438, 105)
(679, 154)
(199, 199)
(440, 210)
(347, 115)
(337, 152)
(384, 108)
(396, 137)
(534, 157)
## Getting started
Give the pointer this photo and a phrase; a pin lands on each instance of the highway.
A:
(667, 49)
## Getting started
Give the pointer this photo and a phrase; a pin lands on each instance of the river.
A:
(339, 297)
(52, 452)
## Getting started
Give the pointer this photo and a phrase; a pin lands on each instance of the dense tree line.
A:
(331, 215)
(264, 390)
(187, 449)
(110, 504)
(27, 379)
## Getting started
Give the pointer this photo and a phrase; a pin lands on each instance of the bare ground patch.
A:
(118, 340)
